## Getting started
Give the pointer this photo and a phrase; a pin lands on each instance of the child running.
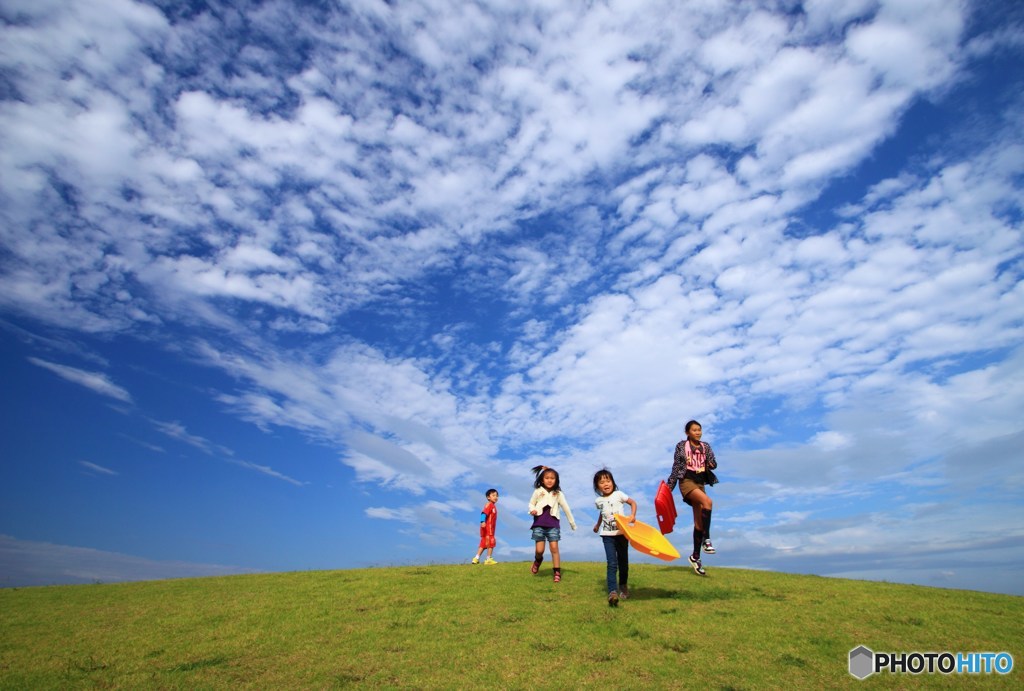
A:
(616, 548)
(692, 467)
(488, 524)
(545, 505)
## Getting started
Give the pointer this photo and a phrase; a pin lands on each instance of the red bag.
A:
(665, 508)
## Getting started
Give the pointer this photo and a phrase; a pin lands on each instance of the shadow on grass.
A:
(193, 665)
(698, 588)
(701, 595)
(653, 594)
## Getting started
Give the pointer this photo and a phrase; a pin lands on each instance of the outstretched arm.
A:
(632, 505)
(565, 506)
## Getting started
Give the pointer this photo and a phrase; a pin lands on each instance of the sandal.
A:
(558, 577)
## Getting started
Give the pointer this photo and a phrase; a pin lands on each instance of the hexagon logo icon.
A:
(862, 662)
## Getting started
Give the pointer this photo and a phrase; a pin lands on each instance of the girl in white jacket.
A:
(547, 502)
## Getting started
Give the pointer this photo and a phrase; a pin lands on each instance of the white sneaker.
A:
(698, 568)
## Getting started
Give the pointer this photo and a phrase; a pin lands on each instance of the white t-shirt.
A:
(609, 506)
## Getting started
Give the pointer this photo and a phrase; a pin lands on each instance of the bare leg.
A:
(698, 500)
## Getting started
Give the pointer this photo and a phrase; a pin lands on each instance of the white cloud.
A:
(176, 430)
(96, 381)
(97, 468)
(909, 41)
(548, 106)
(267, 470)
(830, 441)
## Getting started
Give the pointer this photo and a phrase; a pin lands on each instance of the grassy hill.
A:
(461, 626)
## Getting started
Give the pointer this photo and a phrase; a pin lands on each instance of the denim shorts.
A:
(549, 534)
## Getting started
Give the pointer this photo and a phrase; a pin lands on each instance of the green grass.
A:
(461, 626)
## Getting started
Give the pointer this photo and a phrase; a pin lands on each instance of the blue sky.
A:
(287, 286)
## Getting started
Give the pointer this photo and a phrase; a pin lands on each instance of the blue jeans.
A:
(616, 552)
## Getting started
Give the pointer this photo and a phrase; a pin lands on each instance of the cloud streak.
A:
(96, 468)
(30, 563)
(96, 381)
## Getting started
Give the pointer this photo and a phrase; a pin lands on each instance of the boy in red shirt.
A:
(488, 523)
